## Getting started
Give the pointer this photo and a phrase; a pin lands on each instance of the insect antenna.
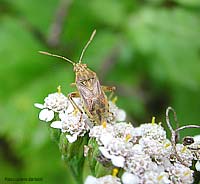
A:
(89, 41)
(55, 55)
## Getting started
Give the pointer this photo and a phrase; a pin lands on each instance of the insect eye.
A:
(188, 141)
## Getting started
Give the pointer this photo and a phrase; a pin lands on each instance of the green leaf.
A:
(168, 40)
(101, 171)
(109, 12)
(192, 3)
(92, 154)
(73, 155)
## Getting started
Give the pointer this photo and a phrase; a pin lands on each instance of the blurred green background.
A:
(148, 49)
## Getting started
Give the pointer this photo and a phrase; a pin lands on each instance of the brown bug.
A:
(175, 135)
(92, 94)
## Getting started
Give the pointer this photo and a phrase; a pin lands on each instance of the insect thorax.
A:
(84, 76)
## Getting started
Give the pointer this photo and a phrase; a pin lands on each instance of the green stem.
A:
(73, 156)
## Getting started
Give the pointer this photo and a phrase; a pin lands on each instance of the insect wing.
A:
(94, 100)
(90, 95)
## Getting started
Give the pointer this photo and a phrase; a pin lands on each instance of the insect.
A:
(187, 141)
(89, 89)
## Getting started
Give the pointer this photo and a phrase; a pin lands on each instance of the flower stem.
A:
(72, 154)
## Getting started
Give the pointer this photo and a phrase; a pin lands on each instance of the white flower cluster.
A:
(108, 179)
(144, 153)
(62, 114)
(53, 103)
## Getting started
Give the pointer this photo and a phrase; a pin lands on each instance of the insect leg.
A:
(76, 107)
(73, 84)
(109, 89)
(71, 96)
